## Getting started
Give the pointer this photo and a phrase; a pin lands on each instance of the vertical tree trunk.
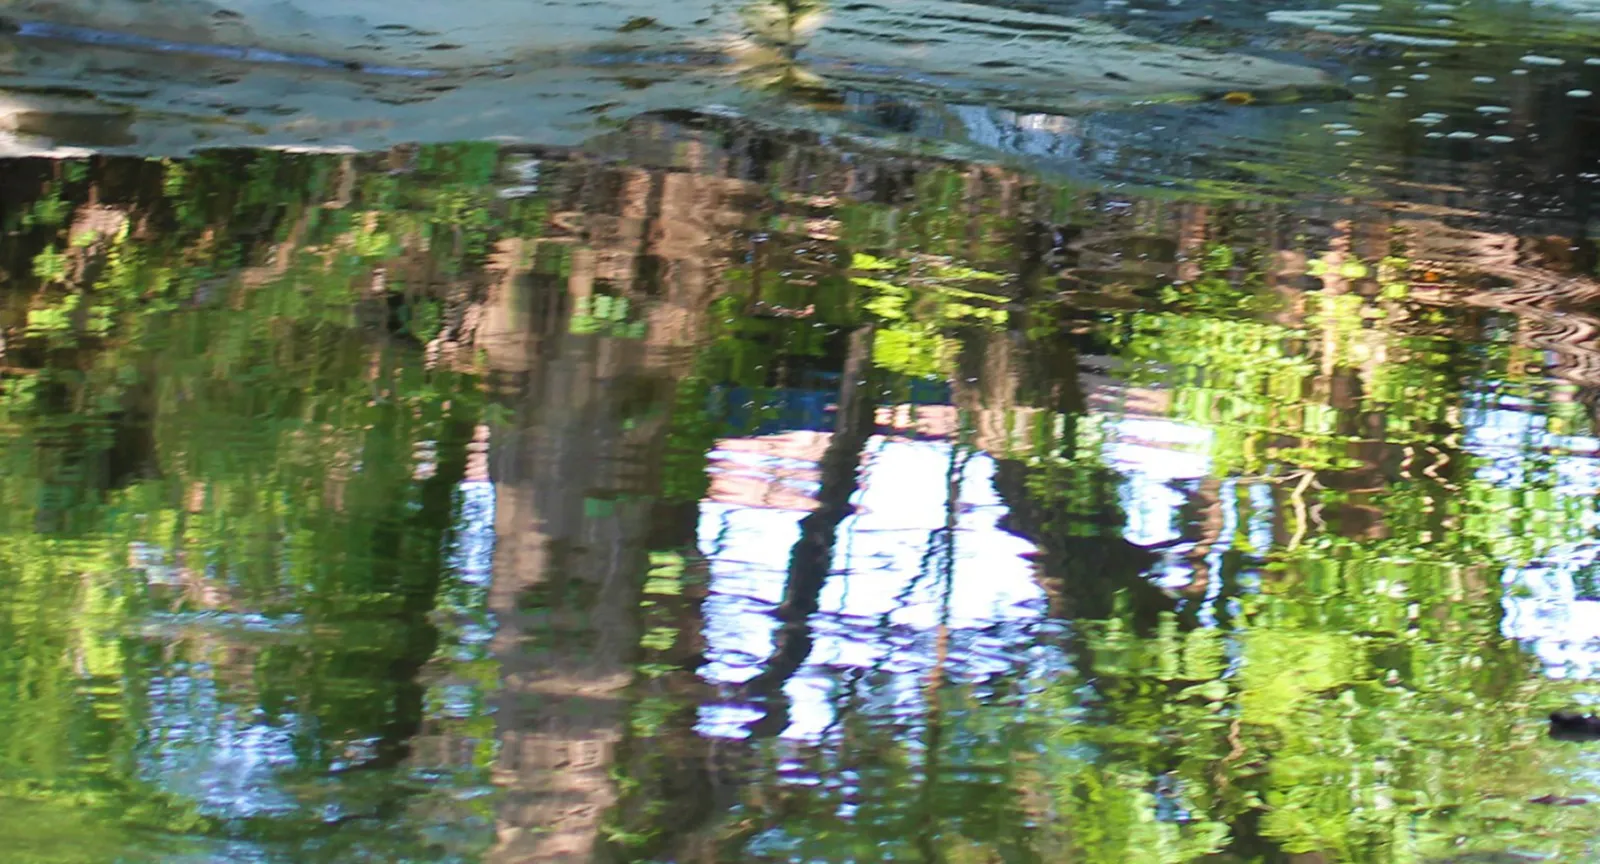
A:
(812, 556)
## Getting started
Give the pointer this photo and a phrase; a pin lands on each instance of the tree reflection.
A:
(1289, 495)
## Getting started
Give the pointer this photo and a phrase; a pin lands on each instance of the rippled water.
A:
(871, 468)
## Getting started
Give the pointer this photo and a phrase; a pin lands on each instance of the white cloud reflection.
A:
(881, 608)
(1547, 607)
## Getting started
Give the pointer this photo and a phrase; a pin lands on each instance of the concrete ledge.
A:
(174, 75)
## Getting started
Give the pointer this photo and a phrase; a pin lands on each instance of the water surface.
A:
(862, 474)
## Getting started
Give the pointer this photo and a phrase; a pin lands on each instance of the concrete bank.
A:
(171, 76)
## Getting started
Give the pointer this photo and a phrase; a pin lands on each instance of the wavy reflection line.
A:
(1549, 311)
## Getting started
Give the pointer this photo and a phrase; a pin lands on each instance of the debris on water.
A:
(1568, 725)
(639, 23)
(1415, 41)
(1558, 801)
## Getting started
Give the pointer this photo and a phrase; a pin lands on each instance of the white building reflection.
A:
(1552, 605)
(881, 610)
(893, 581)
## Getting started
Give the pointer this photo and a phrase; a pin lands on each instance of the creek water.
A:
(865, 469)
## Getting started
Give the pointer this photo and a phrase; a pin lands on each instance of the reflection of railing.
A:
(743, 411)
(925, 410)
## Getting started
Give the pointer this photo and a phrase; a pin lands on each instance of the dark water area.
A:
(871, 477)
